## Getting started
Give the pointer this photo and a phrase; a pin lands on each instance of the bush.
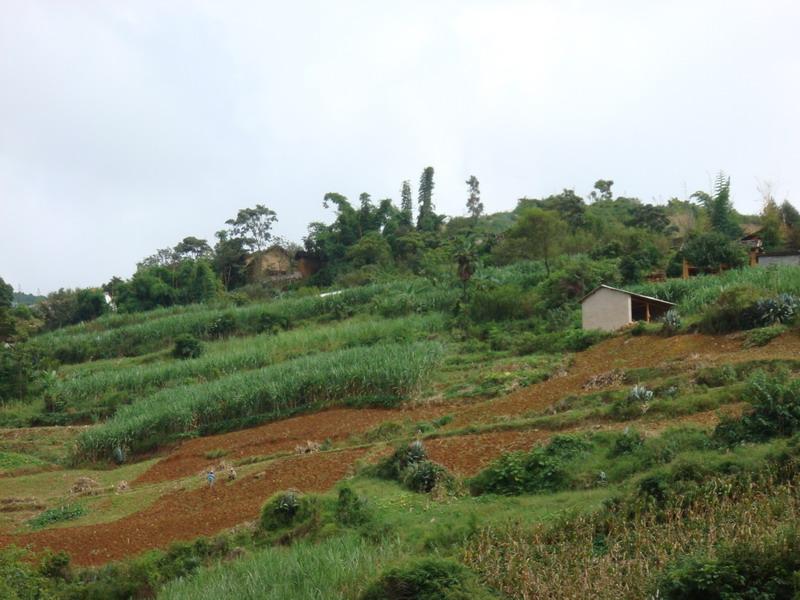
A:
(402, 458)
(740, 571)
(423, 476)
(775, 410)
(286, 509)
(427, 579)
(223, 326)
(717, 376)
(503, 303)
(351, 510)
(734, 310)
(539, 470)
(763, 335)
(187, 346)
(626, 443)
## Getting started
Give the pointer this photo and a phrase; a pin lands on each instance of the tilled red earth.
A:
(191, 457)
(187, 514)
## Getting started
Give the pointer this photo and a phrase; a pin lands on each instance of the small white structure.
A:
(778, 258)
(608, 308)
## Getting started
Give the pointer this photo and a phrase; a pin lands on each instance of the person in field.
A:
(211, 478)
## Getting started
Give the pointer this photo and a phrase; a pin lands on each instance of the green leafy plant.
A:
(187, 346)
(427, 579)
(66, 512)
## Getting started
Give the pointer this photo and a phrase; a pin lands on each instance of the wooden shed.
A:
(608, 308)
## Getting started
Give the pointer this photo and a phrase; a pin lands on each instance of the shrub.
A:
(351, 510)
(427, 579)
(286, 509)
(402, 458)
(542, 469)
(763, 335)
(424, 475)
(503, 303)
(187, 346)
(775, 410)
(223, 326)
(735, 309)
(717, 376)
(739, 571)
(628, 442)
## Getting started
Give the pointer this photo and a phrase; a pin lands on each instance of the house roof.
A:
(632, 294)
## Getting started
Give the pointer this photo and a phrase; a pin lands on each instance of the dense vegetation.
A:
(610, 497)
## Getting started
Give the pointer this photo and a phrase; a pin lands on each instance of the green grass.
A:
(12, 461)
(384, 375)
(124, 383)
(337, 568)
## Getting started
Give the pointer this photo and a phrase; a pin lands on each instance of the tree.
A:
(651, 217)
(7, 322)
(192, 247)
(230, 260)
(467, 261)
(538, 233)
(372, 249)
(602, 190)
(426, 219)
(161, 258)
(791, 224)
(253, 225)
(719, 208)
(474, 204)
(713, 250)
(567, 204)
(406, 204)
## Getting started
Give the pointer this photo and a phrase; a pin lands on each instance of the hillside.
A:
(392, 428)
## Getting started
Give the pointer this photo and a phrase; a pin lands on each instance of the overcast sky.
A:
(126, 126)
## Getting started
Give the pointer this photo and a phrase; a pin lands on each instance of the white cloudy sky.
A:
(125, 126)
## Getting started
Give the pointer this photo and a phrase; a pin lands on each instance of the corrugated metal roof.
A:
(633, 294)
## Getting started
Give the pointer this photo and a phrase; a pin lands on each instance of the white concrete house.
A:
(608, 308)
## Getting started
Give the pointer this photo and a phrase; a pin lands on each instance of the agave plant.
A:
(640, 393)
(780, 309)
(671, 321)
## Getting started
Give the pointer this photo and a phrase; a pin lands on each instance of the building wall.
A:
(790, 259)
(607, 310)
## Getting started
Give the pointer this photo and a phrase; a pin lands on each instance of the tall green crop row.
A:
(376, 375)
(238, 354)
(72, 345)
(693, 294)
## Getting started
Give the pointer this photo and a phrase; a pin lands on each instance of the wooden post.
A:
(647, 311)
(685, 269)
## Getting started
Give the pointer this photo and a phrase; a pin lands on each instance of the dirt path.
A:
(187, 514)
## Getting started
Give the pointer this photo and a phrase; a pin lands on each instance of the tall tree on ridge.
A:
(406, 204)
(719, 208)
(474, 204)
(426, 220)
